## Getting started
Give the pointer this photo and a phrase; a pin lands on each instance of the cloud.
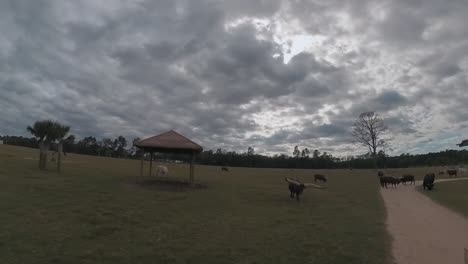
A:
(222, 72)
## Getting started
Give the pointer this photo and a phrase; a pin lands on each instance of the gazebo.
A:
(169, 142)
(464, 143)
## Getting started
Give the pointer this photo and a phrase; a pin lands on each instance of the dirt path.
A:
(423, 231)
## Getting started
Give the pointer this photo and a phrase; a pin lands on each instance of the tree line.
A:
(120, 147)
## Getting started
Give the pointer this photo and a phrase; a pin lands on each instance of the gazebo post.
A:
(191, 167)
(141, 165)
(151, 163)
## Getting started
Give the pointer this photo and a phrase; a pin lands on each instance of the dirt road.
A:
(423, 231)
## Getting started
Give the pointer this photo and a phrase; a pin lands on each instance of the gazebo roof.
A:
(464, 143)
(169, 141)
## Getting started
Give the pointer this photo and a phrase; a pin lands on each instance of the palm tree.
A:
(41, 130)
(47, 132)
(58, 133)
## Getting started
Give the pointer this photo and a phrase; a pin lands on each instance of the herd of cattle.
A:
(386, 181)
(428, 180)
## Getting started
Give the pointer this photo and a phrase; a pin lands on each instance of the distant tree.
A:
(68, 144)
(89, 145)
(134, 151)
(219, 151)
(119, 146)
(381, 159)
(107, 147)
(316, 154)
(368, 130)
(305, 153)
(296, 152)
(250, 151)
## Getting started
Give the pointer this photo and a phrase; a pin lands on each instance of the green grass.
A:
(451, 194)
(94, 213)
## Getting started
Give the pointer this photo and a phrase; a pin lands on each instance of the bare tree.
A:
(369, 130)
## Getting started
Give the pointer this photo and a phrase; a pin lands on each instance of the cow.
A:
(461, 170)
(386, 180)
(407, 178)
(295, 188)
(428, 181)
(162, 170)
(380, 174)
(224, 169)
(320, 177)
(452, 173)
(441, 172)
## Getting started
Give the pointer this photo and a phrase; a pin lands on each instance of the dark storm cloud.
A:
(216, 71)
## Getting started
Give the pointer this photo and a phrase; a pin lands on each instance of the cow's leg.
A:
(291, 195)
(297, 197)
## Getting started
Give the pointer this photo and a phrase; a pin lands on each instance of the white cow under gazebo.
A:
(169, 142)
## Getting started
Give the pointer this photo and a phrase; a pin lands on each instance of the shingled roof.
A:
(169, 141)
(464, 143)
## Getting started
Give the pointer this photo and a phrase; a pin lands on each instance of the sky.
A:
(270, 74)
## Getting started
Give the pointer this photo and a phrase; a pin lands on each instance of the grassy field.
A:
(451, 194)
(94, 213)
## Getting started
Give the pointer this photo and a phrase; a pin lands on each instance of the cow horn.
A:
(314, 185)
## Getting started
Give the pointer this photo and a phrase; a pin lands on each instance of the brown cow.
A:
(452, 173)
(320, 177)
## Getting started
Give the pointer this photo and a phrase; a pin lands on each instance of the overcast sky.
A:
(269, 74)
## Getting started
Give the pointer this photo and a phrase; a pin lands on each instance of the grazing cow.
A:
(295, 188)
(452, 173)
(386, 180)
(428, 181)
(162, 170)
(224, 169)
(320, 177)
(407, 178)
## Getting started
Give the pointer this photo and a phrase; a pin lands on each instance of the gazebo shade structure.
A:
(169, 142)
(464, 143)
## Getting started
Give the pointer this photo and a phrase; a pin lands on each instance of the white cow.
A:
(461, 170)
(162, 171)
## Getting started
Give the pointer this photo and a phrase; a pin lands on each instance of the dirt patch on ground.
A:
(423, 231)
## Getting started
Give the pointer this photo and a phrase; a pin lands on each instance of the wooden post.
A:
(191, 168)
(141, 165)
(59, 156)
(151, 163)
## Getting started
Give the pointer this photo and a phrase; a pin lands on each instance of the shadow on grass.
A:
(168, 184)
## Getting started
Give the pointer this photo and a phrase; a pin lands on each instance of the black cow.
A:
(380, 174)
(320, 177)
(224, 169)
(407, 178)
(386, 180)
(452, 173)
(428, 181)
(296, 189)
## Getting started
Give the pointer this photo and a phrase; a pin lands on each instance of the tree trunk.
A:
(44, 155)
(41, 146)
(59, 155)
